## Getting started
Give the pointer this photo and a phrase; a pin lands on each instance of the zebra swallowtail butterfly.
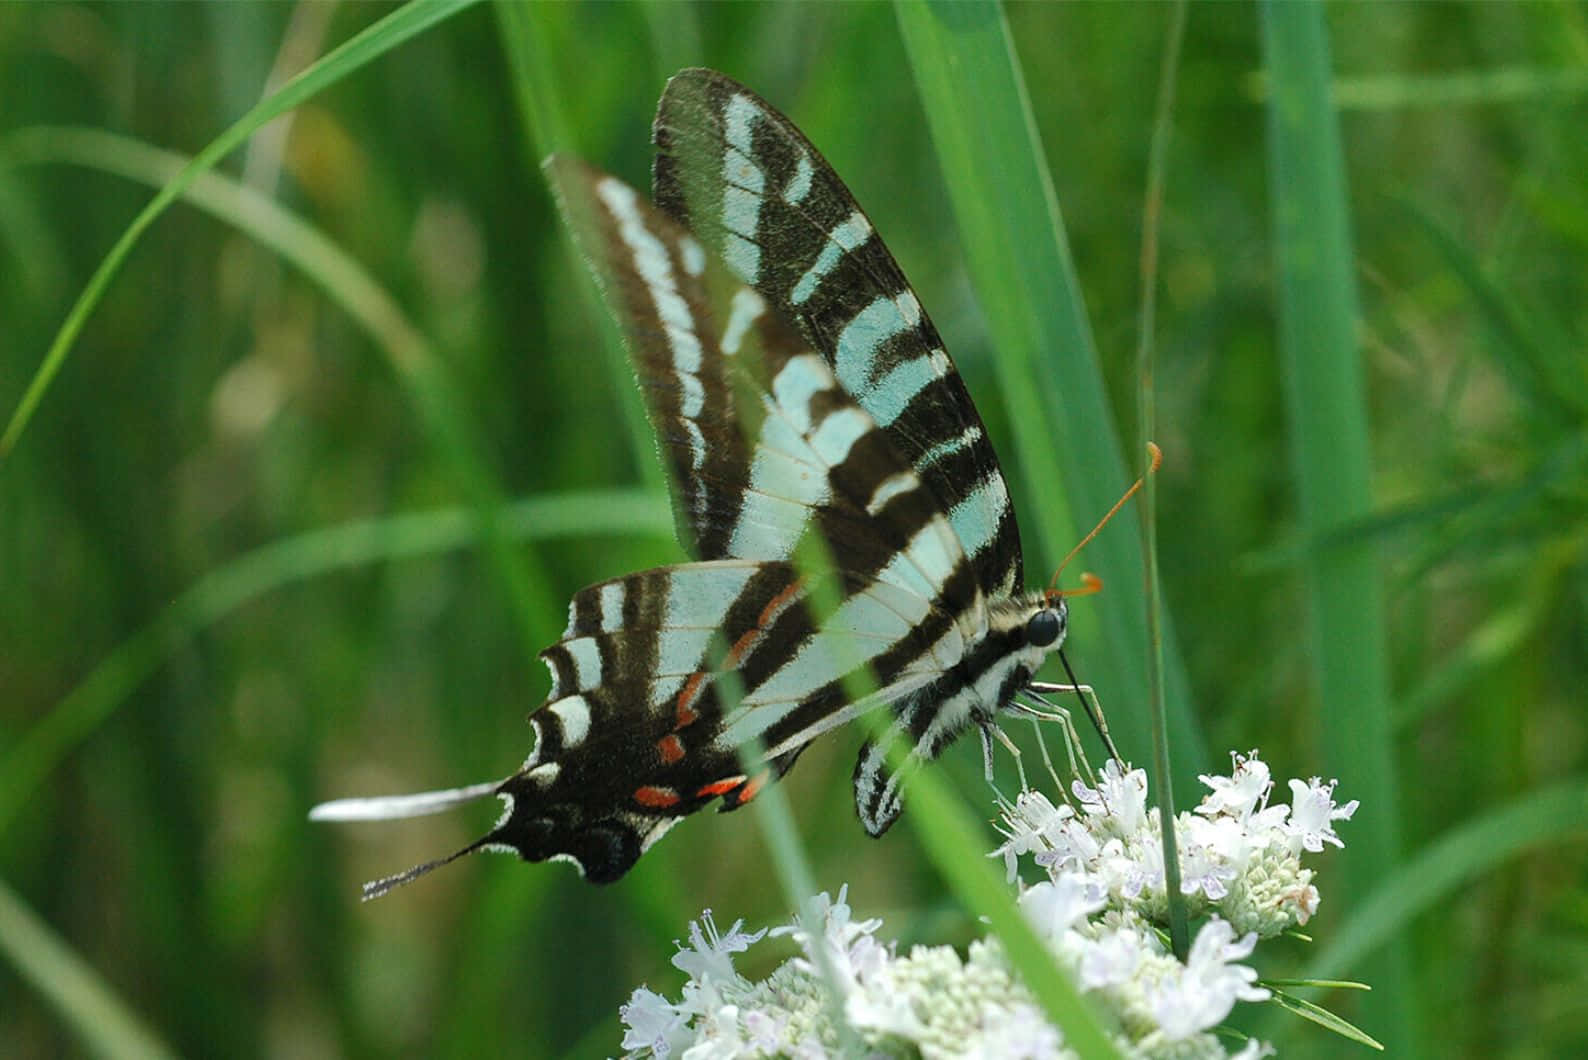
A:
(796, 388)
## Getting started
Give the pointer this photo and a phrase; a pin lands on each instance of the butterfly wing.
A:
(636, 731)
(767, 444)
(747, 182)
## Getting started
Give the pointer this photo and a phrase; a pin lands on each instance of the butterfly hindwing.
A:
(634, 734)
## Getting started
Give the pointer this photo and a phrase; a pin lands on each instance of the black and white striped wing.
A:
(634, 734)
(766, 444)
(747, 182)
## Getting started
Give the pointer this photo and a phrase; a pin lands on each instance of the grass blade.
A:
(346, 282)
(1318, 318)
(388, 33)
(85, 1001)
(1013, 237)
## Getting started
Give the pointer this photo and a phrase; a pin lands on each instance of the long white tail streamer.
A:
(394, 807)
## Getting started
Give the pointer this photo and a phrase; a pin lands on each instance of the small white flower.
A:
(707, 958)
(1204, 872)
(1033, 825)
(1119, 798)
(884, 1011)
(1312, 809)
(651, 1021)
(1057, 906)
(1202, 995)
(1114, 957)
(719, 1037)
(847, 943)
(1072, 847)
(1019, 1032)
(1241, 792)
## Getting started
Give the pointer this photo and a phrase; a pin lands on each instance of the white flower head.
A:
(1100, 910)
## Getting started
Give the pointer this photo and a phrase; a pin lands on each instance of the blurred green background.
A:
(173, 699)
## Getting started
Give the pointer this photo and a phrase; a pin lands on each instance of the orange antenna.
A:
(1090, 582)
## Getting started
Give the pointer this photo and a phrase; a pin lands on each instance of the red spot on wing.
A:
(720, 787)
(741, 648)
(671, 748)
(655, 797)
(775, 606)
(687, 697)
(752, 788)
(768, 615)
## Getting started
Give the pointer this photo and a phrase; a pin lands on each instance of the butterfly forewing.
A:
(768, 443)
(749, 184)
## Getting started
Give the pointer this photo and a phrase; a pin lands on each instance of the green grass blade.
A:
(524, 35)
(955, 842)
(1146, 375)
(1330, 453)
(1013, 237)
(1551, 377)
(261, 218)
(295, 559)
(350, 286)
(36, 257)
(388, 33)
(1315, 1013)
(1515, 84)
(84, 1001)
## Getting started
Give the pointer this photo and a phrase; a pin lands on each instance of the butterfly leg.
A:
(1054, 715)
(1094, 710)
(1047, 712)
(990, 731)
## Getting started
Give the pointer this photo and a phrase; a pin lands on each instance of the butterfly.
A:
(804, 405)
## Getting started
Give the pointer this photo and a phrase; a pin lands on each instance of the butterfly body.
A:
(855, 547)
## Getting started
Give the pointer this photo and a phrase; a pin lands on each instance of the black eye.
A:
(1044, 628)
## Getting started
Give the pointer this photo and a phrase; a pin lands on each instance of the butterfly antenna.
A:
(1155, 461)
(375, 888)
(1094, 711)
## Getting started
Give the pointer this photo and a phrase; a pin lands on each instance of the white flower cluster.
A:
(1240, 858)
(849, 995)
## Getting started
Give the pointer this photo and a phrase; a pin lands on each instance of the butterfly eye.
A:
(1044, 628)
